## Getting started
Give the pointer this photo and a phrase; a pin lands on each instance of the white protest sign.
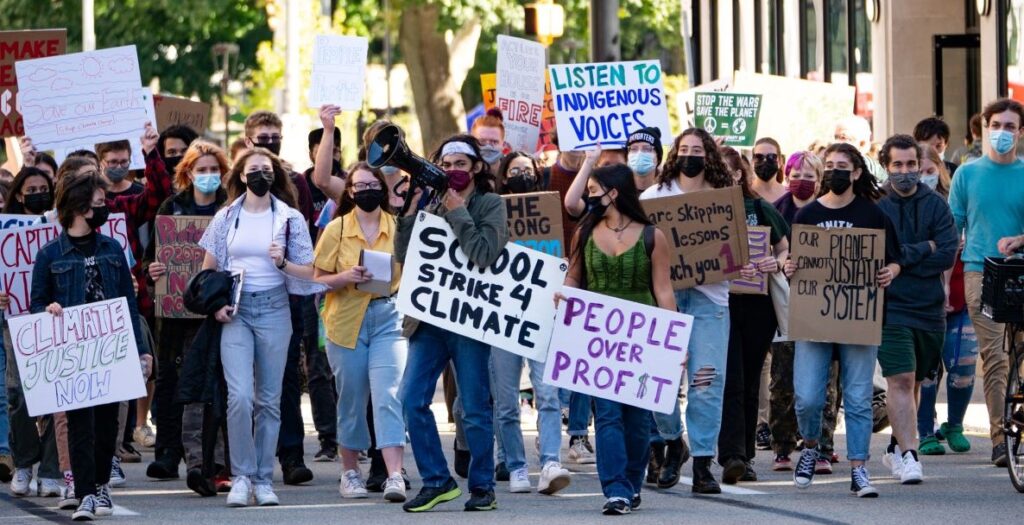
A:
(508, 305)
(76, 101)
(11, 220)
(618, 350)
(339, 71)
(520, 72)
(686, 101)
(85, 357)
(604, 103)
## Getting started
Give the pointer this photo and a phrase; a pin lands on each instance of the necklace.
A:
(618, 231)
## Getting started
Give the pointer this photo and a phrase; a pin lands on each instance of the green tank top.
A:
(627, 276)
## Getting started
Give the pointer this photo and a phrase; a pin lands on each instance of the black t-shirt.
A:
(319, 200)
(860, 213)
(86, 244)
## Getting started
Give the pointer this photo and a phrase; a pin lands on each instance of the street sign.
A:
(732, 116)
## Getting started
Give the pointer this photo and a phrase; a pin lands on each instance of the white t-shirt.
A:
(249, 249)
(717, 292)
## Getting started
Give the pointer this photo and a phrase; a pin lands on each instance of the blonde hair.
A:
(945, 179)
(195, 151)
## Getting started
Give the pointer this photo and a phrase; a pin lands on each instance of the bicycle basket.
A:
(1002, 290)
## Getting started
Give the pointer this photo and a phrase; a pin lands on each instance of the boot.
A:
(674, 458)
(655, 463)
(732, 470)
(703, 481)
(165, 466)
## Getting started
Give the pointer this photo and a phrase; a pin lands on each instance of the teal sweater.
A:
(987, 200)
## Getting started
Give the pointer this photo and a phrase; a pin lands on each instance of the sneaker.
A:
(763, 441)
(579, 454)
(49, 488)
(480, 500)
(823, 466)
(930, 446)
(519, 481)
(430, 497)
(222, 483)
(117, 477)
(264, 494)
(199, 483)
(6, 468)
(732, 470)
(144, 436)
(328, 453)
(241, 490)
(21, 481)
(501, 472)
(165, 466)
(296, 472)
(86, 509)
(893, 460)
(68, 500)
(955, 437)
(394, 488)
(352, 486)
(616, 507)
(128, 454)
(553, 478)
(860, 483)
(805, 468)
(586, 443)
(999, 455)
(104, 505)
(635, 503)
(911, 469)
(749, 474)
(782, 463)
(833, 458)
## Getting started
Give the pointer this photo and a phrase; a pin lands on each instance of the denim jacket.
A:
(59, 277)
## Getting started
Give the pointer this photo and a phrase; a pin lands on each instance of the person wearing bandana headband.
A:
(768, 162)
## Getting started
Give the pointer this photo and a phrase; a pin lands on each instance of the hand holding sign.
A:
(329, 112)
(149, 138)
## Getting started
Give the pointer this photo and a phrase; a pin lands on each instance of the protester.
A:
(768, 170)
(115, 162)
(334, 171)
(489, 131)
(856, 131)
(644, 156)
(31, 193)
(934, 172)
(518, 172)
(934, 132)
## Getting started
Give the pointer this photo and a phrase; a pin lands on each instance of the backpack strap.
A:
(649, 240)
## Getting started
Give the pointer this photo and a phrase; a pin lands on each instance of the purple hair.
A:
(795, 161)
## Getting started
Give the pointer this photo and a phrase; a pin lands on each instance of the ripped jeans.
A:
(705, 375)
(959, 356)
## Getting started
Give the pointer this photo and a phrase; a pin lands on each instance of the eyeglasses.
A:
(362, 186)
(520, 172)
(266, 139)
(119, 163)
(766, 157)
(641, 148)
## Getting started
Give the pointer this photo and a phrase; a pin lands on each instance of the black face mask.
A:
(766, 171)
(99, 217)
(838, 180)
(519, 184)
(273, 147)
(690, 165)
(369, 200)
(258, 182)
(37, 203)
(172, 163)
(594, 206)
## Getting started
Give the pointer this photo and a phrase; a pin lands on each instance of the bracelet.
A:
(284, 262)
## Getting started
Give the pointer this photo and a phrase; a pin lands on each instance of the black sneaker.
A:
(804, 473)
(462, 462)
(296, 472)
(586, 443)
(481, 500)
(732, 470)
(763, 441)
(616, 507)
(999, 457)
(328, 453)
(635, 504)
(860, 483)
(199, 483)
(430, 497)
(749, 474)
(501, 472)
(165, 466)
(86, 509)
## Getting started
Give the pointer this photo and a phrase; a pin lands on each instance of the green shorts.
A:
(910, 350)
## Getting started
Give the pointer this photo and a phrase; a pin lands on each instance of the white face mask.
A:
(932, 181)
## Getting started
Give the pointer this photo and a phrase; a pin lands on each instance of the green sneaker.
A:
(430, 497)
(930, 446)
(955, 437)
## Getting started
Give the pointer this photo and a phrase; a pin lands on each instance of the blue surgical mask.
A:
(207, 182)
(932, 181)
(642, 163)
(1002, 141)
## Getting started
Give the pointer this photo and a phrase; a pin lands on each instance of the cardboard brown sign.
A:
(759, 241)
(16, 46)
(707, 234)
(176, 110)
(535, 221)
(834, 294)
(177, 246)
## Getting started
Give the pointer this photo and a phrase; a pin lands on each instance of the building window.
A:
(1015, 50)
(811, 41)
(768, 34)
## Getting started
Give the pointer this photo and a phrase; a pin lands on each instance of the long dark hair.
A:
(483, 179)
(715, 171)
(866, 185)
(18, 208)
(614, 177)
(503, 169)
(737, 162)
(346, 204)
(282, 187)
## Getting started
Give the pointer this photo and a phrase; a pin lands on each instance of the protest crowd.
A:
(692, 301)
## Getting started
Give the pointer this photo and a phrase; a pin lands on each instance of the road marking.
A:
(122, 511)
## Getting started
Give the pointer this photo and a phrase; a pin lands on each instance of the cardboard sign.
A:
(22, 45)
(171, 111)
(535, 221)
(835, 296)
(508, 305)
(547, 117)
(520, 73)
(730, 116)
(759, 241)
(604, 103)
(77, 101)
(177, 246)
(339, 71)
(10, 220)
(489, 89)
(85, 357)
(707, 234)
(618, 350)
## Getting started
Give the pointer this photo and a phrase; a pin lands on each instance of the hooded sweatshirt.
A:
(916, 298)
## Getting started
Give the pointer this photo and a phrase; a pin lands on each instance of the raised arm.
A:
(333, 187)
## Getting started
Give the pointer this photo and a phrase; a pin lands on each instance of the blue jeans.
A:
(430, 349)
(506, 370)
(811, 364)
(5, 425)
(579, 414)
(253, 351)
(959, 358)
(705, 374)
(623, 436)
(373, 369)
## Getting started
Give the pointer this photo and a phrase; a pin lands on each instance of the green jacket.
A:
(480, 226)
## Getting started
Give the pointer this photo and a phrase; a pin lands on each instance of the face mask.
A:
(258, 182)
(172, 163)
(273, 147)
(766, 170)
(802, 189)
(904, 182)
(99, 217)
(389, 171)
(594, 205)
(519, 184)
(37, 203)
(642, 163)
(491, 154)
(1001, 140)
(838, 180)
(369, 200)
(690, 165)
(207, 182)
(932, 181)
(458, 180)
(116, 175)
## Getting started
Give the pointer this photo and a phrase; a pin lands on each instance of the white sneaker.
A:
(894, 462)
(394, 488)
(553, 478)
(578, 453)
(49, 488)
(352, 485)
(265, 496)
(519, 481)
(21, 481)
(67, 498)
(912, 473)
(241, 489)
(144, 436)
(117, 476)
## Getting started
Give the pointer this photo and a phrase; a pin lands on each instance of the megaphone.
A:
(388, 149)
